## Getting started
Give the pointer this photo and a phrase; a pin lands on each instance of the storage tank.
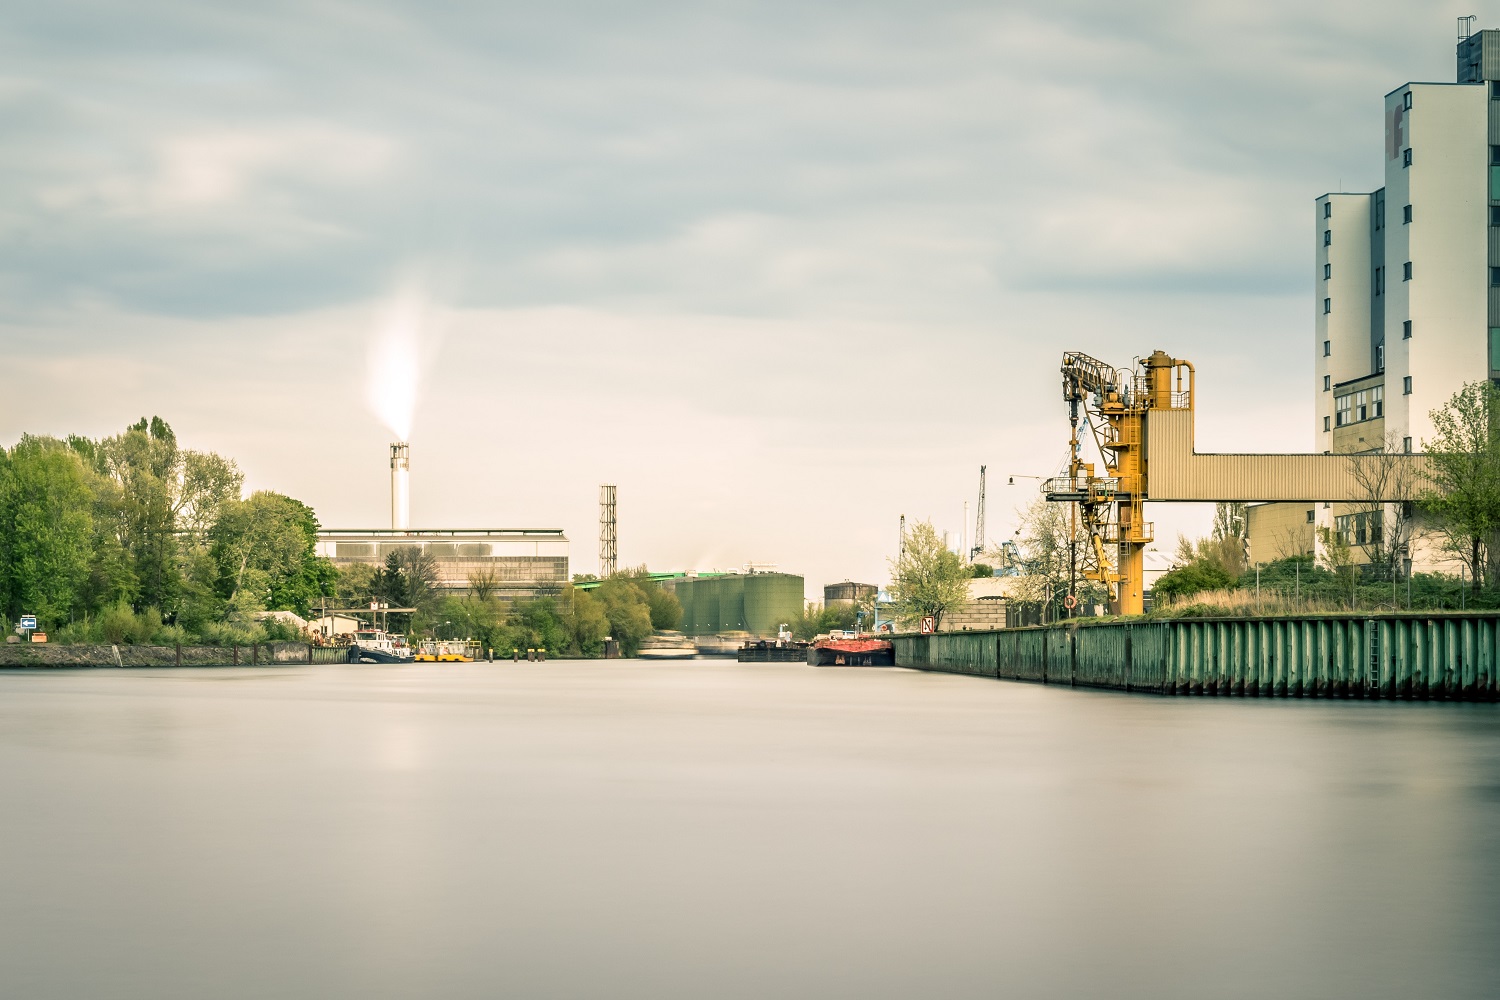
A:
(731, 604)
(684, 591)
(705, 606)
(771, 599)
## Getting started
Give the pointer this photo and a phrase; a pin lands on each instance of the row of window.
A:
(1380, 213)
(1366, 404)
(1380, 407)
(1363, 528)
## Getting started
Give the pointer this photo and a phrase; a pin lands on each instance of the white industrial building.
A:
(1406, 285)
(1406, 296)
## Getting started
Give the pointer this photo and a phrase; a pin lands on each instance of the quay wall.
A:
(43, 655)
(1438, 656)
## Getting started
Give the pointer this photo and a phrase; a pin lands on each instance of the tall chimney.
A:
(401, 486)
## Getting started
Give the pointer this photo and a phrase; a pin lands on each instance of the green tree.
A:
(588, 624)
(928, 578)
(46, 529)
(628, 610)
(1463, 472)
(264, 547)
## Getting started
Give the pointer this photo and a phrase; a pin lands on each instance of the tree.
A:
(588, 624)
(1387, 480)
(46, 529)
(628, 611)
(264, 547)
(1231, 520)
(928, 578)
(1463, 471)
(1048, 557)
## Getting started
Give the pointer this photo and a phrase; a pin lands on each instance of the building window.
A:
(1380, 281)
(1379, 360)
(1327, 348)
(1327, 306)
(1406, 100)
(1495, 209)
(1312, 512)
(1495, 90)
(1380, 210)
(1327, 209)
(1377, 401)
(1362, 405)
(1328, 268)
(1359, 529)
(1406, 157)
(1494, 349)
(1406, 329)
(1495, 277)
(1325, 424)
(1406, 386)
(1495, 154)
(1405, 214)
(1327, 237)
(1327, 382)
(1406, 271)
(1406, 445)
(1343, 410)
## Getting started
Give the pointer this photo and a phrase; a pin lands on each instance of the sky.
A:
(782, 272)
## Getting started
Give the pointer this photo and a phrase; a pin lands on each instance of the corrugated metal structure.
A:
(1444, 656)
(1179, 473)
(753, 602)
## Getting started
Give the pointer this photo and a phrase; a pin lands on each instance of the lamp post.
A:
(1406, 568)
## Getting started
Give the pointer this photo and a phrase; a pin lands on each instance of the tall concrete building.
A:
(1407, 277)
(1406, 287)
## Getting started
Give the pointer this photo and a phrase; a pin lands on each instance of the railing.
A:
(1081, 488)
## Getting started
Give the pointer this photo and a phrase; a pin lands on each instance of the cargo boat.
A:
(852, 653)
(667, 645)
(772, 651)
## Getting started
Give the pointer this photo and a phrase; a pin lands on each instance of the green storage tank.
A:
(684, 591)
(705, 606)
(771, 599)
(731, 604)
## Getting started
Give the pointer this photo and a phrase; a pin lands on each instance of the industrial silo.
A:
(683, 588)
(705, 606)
(771, 599)
(731, 604)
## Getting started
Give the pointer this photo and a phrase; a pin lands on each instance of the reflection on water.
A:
(707, 829)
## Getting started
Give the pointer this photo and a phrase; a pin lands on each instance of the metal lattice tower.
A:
(609, 553)
(978, 548)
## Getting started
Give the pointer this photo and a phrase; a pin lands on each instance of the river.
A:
(710, 830)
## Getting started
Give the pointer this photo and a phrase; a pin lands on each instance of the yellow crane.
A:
(1112, 404)
(1141, 419)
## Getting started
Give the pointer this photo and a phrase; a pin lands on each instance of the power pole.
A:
(609, 554)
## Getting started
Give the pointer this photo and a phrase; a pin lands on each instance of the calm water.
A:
(709, 830)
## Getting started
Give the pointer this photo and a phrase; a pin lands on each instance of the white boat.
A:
(378, 646)
(667, 646)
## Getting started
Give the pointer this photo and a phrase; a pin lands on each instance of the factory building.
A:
(756, 603)
(1406, 284)
(513, 564)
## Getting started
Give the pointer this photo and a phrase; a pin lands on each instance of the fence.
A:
(1437, 656)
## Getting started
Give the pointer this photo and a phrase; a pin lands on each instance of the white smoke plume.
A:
(407, 334)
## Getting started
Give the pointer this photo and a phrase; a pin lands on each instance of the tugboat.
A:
(849, 649)
(667, 645)
(378, 646)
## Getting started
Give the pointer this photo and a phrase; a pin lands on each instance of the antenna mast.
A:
(978, 548)
(608, 547)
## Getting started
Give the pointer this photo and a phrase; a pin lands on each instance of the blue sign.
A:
(28, 622)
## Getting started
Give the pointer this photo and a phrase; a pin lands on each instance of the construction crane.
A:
(1111, 405)
(978, 548)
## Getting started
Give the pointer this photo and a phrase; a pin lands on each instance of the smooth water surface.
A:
(705, 829)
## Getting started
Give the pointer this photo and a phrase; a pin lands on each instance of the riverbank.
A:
(46, 655)
(1451, 657)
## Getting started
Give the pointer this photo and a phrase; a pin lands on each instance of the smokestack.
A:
(401, 486)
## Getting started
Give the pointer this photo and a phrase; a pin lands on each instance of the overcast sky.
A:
(782, 271)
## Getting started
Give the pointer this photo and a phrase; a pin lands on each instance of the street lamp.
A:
(1406, 568)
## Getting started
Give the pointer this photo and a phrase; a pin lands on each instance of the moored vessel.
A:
(667, 645)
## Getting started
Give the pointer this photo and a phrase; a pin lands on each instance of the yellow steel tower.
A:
(1110, 508)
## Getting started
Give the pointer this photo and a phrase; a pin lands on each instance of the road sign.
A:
(39, 637)
(929, 624)
(28, 621)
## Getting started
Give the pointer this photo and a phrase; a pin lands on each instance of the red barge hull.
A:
(852, 653)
